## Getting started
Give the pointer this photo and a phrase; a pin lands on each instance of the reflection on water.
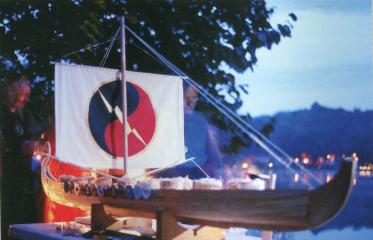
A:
(348, 233)
(355, 221)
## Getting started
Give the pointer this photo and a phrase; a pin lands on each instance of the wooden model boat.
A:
(267, 209)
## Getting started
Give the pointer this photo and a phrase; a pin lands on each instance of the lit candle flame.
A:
(296, 177)
(328, 177)
(245, 165)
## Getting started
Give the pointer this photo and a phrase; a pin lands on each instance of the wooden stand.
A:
(271, 184)
(168, 228)
(100, 221)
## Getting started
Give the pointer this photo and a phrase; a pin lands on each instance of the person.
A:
(201, 142)
(16, 150)
(201, 138)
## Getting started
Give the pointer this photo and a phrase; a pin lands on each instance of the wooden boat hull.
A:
(269, 209)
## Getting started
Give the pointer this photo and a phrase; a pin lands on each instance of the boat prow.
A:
(284, 210)
(328, 200)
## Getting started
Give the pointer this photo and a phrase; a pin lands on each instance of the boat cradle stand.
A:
(167, 227)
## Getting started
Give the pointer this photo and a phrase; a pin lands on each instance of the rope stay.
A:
(266, 144)
(107, 53)
(258, 137)
(88, 47)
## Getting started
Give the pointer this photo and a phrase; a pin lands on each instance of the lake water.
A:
(355, 221)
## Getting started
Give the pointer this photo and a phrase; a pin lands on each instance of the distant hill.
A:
(321, 130)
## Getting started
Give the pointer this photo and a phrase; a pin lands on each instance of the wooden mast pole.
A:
(124, 92)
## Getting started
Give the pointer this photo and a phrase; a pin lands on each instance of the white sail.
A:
(89, 118)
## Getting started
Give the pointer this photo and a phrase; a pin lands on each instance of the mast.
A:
(124, 92)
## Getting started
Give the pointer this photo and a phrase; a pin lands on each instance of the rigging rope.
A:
(103, 61)
(255, 135)
(82, 49)
(240, 123)
(258, 139)
(172, 165)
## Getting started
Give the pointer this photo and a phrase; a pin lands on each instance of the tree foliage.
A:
(198, 36)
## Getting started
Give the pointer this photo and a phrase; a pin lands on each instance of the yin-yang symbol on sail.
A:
(105, 118)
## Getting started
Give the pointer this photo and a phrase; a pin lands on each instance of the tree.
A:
(198, 36)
